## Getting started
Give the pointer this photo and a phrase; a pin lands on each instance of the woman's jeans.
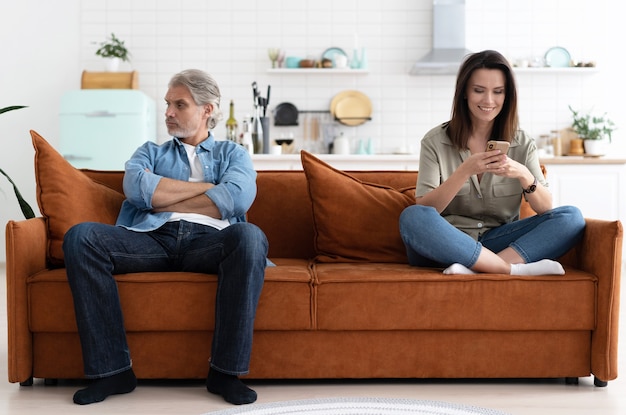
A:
(95, 252)
(433, 242)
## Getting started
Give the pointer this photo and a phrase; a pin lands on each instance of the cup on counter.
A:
(341, 61)
(276, 149)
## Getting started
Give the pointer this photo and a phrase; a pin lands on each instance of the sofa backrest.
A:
(282, 208)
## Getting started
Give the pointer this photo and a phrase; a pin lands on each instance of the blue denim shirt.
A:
(226, 164)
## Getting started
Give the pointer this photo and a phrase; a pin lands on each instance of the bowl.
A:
(307, 63)
(292, 62)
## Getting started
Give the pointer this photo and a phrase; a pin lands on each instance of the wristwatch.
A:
(532, 187)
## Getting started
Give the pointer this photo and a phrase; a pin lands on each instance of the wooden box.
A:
(110, 80)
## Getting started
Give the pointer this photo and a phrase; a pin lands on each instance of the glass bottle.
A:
(257, 131)
(246, 135)
(231, 124)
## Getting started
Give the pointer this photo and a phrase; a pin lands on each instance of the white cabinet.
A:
(596, 186)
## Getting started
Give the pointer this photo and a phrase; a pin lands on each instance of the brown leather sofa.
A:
(341, 301)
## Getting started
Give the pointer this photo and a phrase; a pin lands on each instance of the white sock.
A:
(543, 267)
(458, 269)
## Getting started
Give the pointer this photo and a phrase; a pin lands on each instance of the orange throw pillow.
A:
(66, 196)
(354, 220)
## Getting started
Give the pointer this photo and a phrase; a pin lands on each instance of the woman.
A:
(466, 216)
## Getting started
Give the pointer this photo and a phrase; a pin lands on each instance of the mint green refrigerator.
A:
(101, 128)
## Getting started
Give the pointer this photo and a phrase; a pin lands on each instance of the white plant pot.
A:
(112, 64)
(595, 147)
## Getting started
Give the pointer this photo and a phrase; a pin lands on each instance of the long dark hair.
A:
(506, 123)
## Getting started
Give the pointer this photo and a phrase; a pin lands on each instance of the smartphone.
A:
(503, 146)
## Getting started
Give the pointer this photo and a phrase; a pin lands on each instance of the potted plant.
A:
(593, 130)
(24, 206)
(114, 50)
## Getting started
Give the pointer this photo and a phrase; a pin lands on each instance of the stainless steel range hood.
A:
(448, 40)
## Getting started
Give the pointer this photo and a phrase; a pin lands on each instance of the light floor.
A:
(516, 397)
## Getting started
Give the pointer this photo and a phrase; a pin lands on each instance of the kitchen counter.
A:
(398, 161)
(349, 162)
(583, 160)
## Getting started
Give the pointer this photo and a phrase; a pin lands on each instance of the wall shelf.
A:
(548, 70)
(304, 71)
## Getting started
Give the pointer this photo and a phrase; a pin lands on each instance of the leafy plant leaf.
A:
(11, 108)
(24, 206)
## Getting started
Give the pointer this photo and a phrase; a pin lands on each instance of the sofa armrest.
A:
(26, 243)
(600, 253)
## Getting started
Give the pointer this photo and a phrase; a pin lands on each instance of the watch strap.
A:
(532, 187)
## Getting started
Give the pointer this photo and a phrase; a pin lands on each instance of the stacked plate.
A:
(351, 108)
(558, 57)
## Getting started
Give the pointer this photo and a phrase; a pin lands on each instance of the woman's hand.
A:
(484, 162)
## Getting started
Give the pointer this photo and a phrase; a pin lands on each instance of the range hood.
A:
(448, 40)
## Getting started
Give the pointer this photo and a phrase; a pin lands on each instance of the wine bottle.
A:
(231, 124)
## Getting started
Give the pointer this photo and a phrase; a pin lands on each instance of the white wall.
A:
(46, 45)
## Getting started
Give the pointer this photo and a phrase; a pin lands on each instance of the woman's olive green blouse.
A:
(478, 206)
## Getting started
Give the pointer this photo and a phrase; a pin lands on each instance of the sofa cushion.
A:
(285, 302)
(354, 220)
(402, 297)
(66, 196)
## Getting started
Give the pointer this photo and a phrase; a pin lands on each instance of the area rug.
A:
(358, 406)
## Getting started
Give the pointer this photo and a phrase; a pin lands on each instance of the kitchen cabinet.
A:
(597, 186)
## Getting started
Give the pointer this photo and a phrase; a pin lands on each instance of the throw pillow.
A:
(66, 196)
(354, 220)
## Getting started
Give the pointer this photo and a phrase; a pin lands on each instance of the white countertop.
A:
(397, 161)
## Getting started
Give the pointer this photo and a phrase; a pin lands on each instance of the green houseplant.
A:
(114, 50)
(27, 211)
(590, 127)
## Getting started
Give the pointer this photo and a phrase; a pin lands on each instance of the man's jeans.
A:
(432, 242)
(94, 252)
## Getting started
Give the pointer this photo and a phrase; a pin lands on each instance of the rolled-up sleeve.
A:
(236, 189)
(139, 180)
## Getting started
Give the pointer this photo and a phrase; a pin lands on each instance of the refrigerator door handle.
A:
(72, 157)
(103, 113)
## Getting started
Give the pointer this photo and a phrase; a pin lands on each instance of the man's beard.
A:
(178, 131)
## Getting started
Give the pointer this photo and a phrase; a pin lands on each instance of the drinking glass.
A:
(273, 54)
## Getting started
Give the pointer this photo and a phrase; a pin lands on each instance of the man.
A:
(184, 210)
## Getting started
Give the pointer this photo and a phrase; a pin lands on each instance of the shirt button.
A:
(480, 225)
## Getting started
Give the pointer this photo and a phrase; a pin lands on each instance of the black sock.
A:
(99, 389)
(230, 387)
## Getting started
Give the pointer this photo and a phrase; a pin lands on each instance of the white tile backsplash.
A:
(230, 41)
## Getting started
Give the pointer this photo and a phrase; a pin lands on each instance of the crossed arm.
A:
(184, 197)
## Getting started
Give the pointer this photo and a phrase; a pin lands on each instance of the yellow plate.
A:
(351, 108)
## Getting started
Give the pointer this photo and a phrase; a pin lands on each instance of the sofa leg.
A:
(27, 382)
(50, 381)
(599, 383)
(571, 381)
